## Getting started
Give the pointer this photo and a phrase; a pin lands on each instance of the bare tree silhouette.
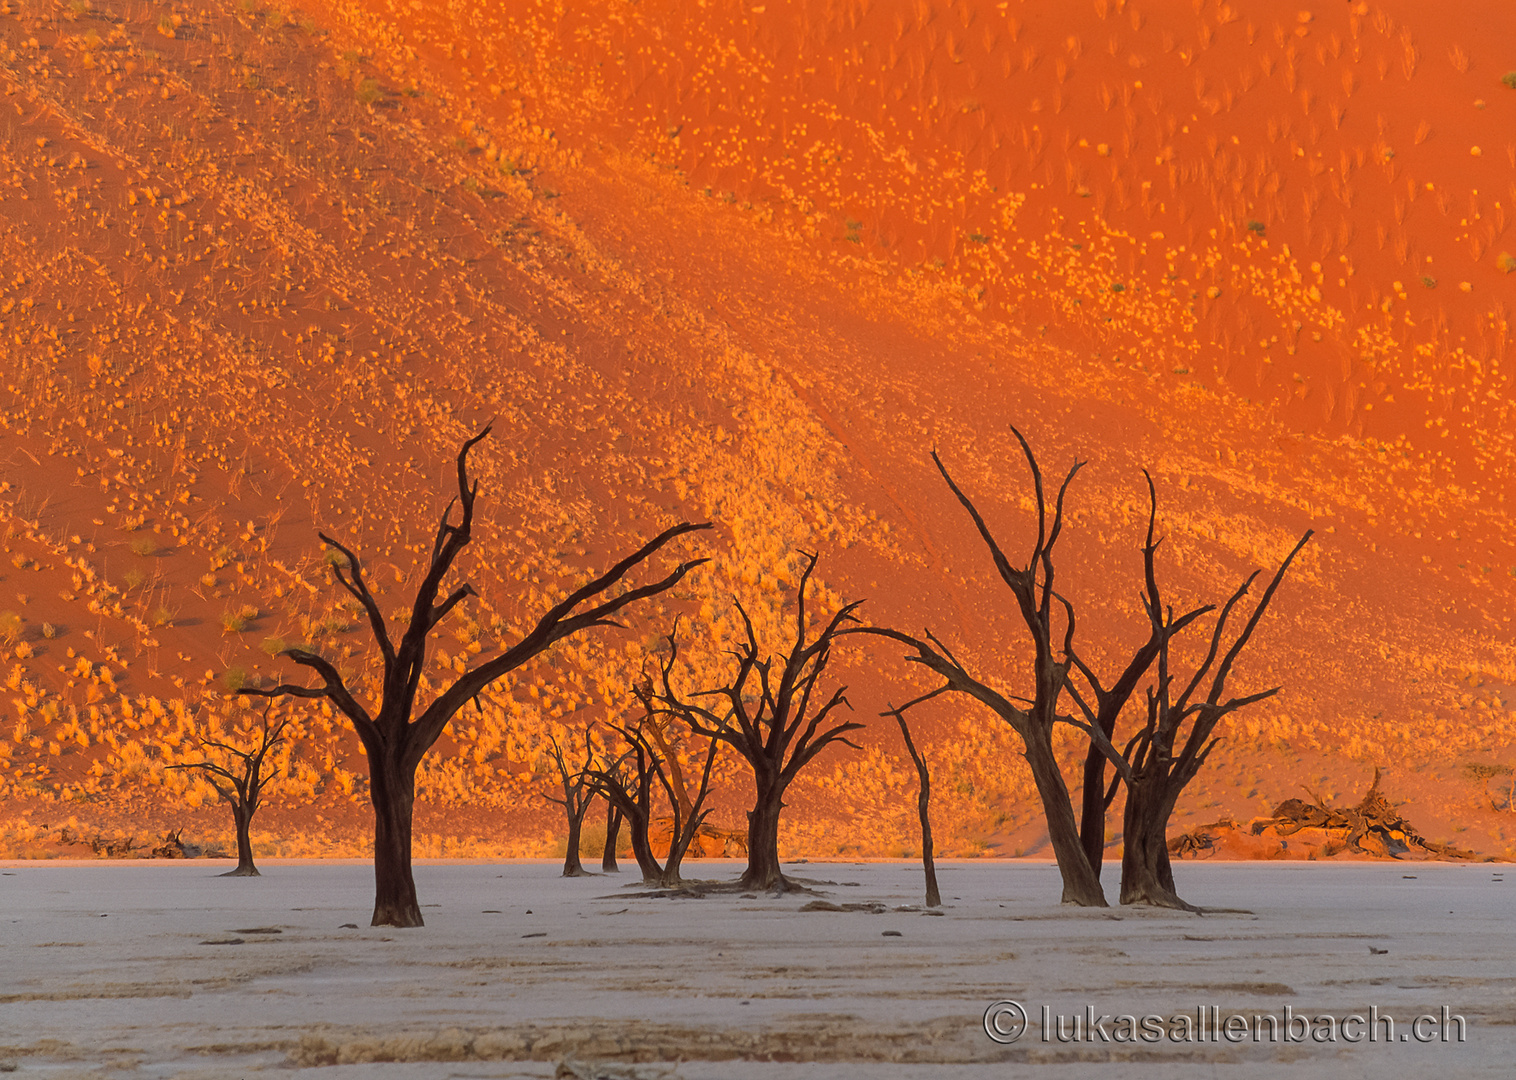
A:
(394, 736)
(1033, 718)
(629, 787)
(1153, 771)
(240, 780)
(578, 792)
(923, 794)
(1177, 737)
(775, 718)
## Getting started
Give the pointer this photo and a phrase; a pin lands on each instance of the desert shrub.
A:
(234, 622)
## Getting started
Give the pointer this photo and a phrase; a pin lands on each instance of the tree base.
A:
(1081, 897)
(396, 915)
(1153, 894)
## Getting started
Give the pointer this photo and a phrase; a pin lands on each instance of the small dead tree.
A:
(775, 718)
(923, 795)
(629, 788)
(239, 779)
(395, 737)
(578, 792)
(627, 784)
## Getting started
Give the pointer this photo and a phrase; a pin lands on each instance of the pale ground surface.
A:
(150, 970)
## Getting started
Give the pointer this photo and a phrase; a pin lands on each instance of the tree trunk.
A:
(763, 841)
(393, 792)
(923, 805)
(572, 867)
(642, 851)
(1081, 884)
(1147, 876)
(612, 832)
(245, 867)
(670, 877)
(1092, 812)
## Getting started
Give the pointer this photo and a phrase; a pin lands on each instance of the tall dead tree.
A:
(1032, 718)
(239, 779)
(1102, 706)
(1177, 737)
(395, 737)
(578, 792)
(923, 796)
(1149, 766)
(775, 718)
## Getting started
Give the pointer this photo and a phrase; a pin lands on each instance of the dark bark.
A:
(396, 736)
(572, 866)
(923, 799)
(1152, 768)
(642, 848)
(579, 791)
(1147, 877)
(628, 785)
(392, 790)
(244, 823)
(1102, 707)
(1081, 881)
(688, 815)
(612, 835)
(763, 869)
(1034, 718)
(772, 714)
(1177, 738)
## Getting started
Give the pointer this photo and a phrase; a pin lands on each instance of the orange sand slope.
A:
(267, 268)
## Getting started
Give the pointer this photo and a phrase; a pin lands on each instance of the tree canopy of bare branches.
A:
(578, 792)
(395, 736)
(628, 784)
(1153, 772)
(772, 712)
(239, 779)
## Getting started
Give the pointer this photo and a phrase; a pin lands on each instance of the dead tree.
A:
(1177, 737)
(240, 785)
(578, 792)
(774, 718)
(1032, 718)
(923, 796)
(629, 788)
(1102, 706)
(627, 784)
(395, 738)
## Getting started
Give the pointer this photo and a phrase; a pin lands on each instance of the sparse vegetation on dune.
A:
(260, 263)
